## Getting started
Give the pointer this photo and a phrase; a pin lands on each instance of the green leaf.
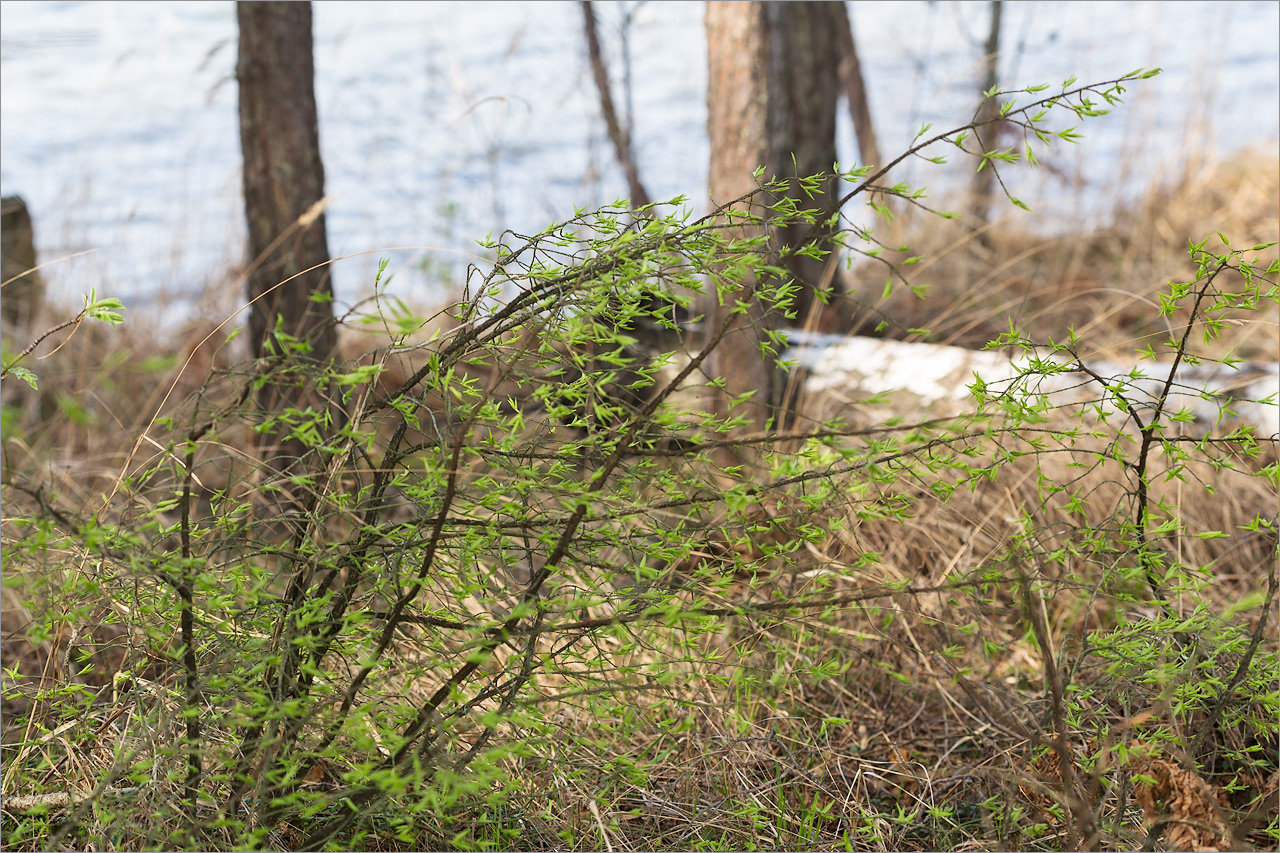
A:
(105, 309)
(363, 374)
(158, 363)
(23, 374)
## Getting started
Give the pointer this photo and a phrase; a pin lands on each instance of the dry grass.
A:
(939, 704)
(1104, 284)
(913, 711)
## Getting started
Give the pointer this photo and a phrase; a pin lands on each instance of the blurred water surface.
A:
(442, 122)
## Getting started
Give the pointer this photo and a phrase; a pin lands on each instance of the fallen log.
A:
(937, 379)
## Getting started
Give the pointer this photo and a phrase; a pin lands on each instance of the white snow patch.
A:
(943, 374)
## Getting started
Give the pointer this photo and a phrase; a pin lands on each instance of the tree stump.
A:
(23, 294)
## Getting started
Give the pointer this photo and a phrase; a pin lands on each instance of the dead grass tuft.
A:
(1103, 284)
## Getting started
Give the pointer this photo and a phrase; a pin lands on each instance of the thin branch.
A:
(31, 347)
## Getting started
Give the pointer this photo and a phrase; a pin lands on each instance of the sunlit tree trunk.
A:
(773, 90)
(291, 321)
(738, 123)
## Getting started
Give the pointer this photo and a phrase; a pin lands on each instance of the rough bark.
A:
(773, 89)
(288, 280)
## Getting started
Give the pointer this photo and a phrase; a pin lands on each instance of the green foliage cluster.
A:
(540, 542)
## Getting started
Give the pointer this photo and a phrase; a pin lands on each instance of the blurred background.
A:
(443, 122)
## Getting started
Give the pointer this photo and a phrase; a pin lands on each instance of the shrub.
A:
(527, 574)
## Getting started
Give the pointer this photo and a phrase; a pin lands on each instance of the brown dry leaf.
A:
(903, 772)
(1185, 799)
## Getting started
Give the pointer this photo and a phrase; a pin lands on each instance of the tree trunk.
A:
(856, 91)
(805, 60)
(773, 90)
(987, 136)
(738, 124)
(620, 136)
(291, 321)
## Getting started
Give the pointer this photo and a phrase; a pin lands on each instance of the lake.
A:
(442, 122)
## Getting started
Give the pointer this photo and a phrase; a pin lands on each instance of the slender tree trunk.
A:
(987, 136)
(619, 135)
(773, 90)
(291, 322)
(856, 90)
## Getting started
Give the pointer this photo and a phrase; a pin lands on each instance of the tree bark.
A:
(773, 90)
(291, 321)
(738, 124)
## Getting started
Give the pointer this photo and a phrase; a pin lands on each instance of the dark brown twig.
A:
(620, 136)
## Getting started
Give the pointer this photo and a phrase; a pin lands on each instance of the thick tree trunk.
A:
(773, 90)
(738, 123)
(292, 316)
(283, 175)
(805, 63)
